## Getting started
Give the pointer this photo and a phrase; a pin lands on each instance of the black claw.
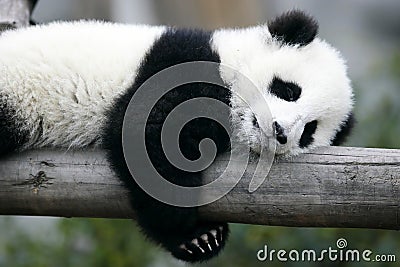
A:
(220, 233)
(212, 240)
(204, 244)
(208, 240)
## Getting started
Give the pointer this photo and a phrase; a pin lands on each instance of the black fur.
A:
(11, 136)
(344, 131)
(294, 27)
(168, 225)
(307, 136)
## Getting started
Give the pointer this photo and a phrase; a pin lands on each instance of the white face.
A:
(305, 88)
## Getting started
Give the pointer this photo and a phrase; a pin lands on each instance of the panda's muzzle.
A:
(279, 133)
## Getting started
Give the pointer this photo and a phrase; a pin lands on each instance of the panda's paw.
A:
(206, 242)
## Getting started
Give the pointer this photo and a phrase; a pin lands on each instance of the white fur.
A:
(63, 76)
(317, 68)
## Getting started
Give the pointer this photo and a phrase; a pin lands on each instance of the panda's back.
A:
(58, 79)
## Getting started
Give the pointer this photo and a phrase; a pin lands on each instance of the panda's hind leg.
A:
(181, 232)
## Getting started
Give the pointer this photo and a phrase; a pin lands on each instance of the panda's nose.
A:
(280, 133)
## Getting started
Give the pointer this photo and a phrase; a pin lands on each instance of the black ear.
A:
(294, 27)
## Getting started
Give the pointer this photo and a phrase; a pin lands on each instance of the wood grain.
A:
(330, 187)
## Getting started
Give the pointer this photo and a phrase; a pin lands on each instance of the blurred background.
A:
(367, 32)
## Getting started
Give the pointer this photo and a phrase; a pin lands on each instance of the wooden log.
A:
(329, 187)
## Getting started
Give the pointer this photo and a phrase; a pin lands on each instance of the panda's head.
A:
(303, 81)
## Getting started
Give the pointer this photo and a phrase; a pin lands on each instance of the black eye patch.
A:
(307, 136)
(285, 90)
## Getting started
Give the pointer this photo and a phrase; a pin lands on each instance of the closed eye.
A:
(287, 91)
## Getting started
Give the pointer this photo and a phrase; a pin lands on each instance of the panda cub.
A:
(68, 85)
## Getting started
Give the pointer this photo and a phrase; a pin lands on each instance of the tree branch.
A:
(330, 187)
